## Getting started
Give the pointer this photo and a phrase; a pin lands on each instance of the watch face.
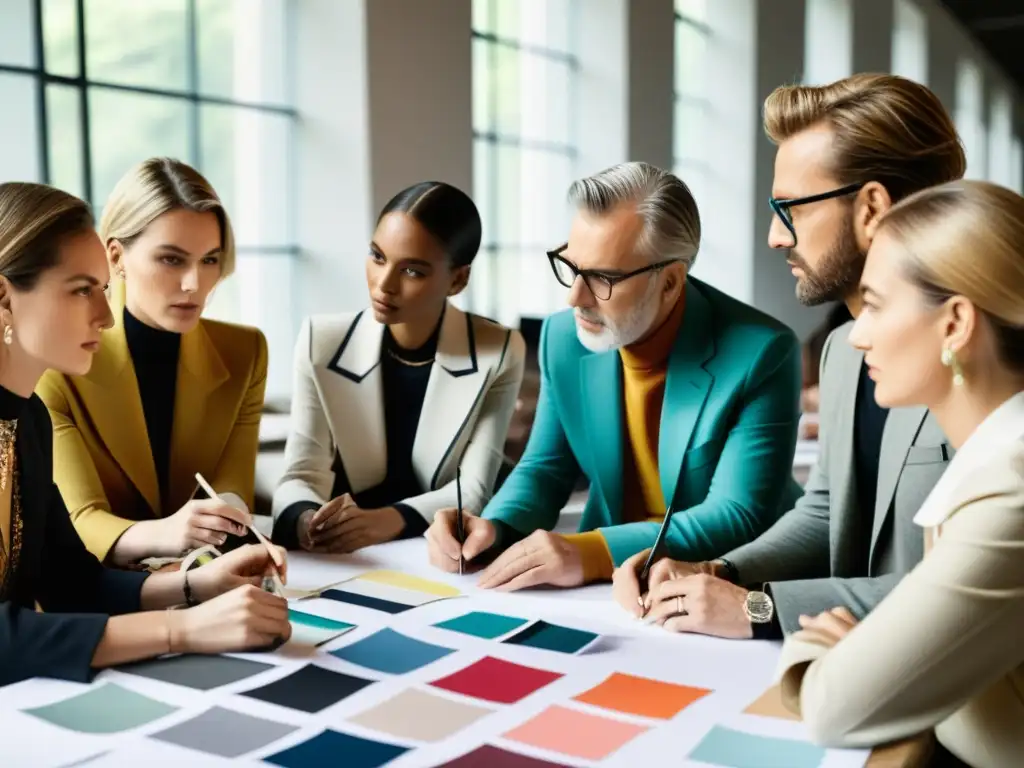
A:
(759, 607)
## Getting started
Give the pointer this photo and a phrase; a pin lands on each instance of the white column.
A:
(602, 96)
(828, 39)
(910, 41)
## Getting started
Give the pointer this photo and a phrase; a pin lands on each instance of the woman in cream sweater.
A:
(943, 326)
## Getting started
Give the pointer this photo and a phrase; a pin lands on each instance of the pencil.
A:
(275, 556)
(645, 572)
(459, 529)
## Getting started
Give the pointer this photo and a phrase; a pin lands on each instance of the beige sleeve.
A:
(946, 633)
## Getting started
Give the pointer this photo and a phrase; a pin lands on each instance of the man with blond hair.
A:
(847, 152)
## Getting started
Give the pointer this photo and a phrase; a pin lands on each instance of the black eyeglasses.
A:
(598, 282)
(781, 206)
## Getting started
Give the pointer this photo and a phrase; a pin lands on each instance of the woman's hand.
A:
(198, 523)
(246, 565)
(341, 526)
(826, 628)
(246, 618)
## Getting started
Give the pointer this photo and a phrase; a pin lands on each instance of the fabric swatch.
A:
(222, 732)
(197, 671)
(482, 624)
(365, 601)
(497, 680)
(421, 716)
(308, 629)
(391, 652)
(415, 583)
(108, 708)
(735, 749)
(552, 637)
(642, 696)
(489, 756)
(331, 749)
(575, 733)
(769, 704)
(310, 689)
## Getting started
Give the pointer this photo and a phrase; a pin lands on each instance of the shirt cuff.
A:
(597, 558)
(286, 526)
(771, 630)
(415, 524)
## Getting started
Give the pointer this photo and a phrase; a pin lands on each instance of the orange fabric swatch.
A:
(770, 705)
(642, 696)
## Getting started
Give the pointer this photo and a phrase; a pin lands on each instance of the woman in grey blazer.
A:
(391, 403)
(943, 326)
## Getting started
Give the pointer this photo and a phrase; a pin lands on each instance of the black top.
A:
(869, 423)
(52, 567)
(155, 357)
(404, 377)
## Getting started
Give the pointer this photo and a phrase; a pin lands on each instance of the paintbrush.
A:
(460, 531)
(276, 561)
(645, 572)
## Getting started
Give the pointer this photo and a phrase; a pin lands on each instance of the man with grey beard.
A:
(662, 391)
(847, 151)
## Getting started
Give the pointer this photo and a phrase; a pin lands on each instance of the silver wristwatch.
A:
(759, 607)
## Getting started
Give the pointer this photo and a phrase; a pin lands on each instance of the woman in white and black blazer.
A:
(391, 401)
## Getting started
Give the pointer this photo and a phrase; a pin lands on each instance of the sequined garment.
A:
(9, 554)
(8, 430)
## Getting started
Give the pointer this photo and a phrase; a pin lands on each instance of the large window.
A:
(690, 120)
(523, 85)
(91, 87)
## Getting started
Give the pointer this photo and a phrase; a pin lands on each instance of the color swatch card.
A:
(225, 733)
(106, 708)
(552, 637)
(489, 756)
(730, 748)
(488, 626)
(308, 629)
(389, 591)
(391, 652)
(497, 680)
(641, 696)
(420, 716)
(201, 672)
(330, 749)
(310, 689)
(575, 733)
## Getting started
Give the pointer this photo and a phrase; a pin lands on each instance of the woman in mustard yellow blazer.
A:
(169, 394)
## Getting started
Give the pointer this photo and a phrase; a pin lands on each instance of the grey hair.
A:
(671, 219)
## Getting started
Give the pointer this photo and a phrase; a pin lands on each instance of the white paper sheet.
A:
(736, 672)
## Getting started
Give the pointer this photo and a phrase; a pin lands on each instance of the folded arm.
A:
(945, 634)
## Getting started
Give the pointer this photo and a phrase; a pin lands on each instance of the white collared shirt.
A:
(1003, 426)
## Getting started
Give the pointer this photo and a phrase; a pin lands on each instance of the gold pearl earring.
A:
(949, 360)
(8, 334)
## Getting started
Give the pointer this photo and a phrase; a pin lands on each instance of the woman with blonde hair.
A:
(942, 327)
(52, 315)
(170, 394)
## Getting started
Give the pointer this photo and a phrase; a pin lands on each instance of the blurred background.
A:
(307, 115)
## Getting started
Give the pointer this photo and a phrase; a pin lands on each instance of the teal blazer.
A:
(726, 442)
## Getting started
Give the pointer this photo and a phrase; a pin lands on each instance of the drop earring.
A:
(8, 334)
(949, 360)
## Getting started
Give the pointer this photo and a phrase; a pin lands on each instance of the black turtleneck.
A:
(155, 358)
(12, 406)
(404, 385)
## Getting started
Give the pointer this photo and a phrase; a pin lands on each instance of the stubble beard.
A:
(838, 274)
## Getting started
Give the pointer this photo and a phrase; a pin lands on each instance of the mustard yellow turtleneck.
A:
(644, 369)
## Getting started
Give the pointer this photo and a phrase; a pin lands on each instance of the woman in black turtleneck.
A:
(170, 394)
(391, 404)
(52, 315)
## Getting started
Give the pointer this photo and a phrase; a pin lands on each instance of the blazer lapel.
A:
(351, 386)
(901, 428)
(111, 395)
(686, 387)
(454, 389)
(201, 424)
(843, 404)
(601, 385)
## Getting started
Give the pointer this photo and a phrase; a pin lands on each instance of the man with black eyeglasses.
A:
(846, 152)
(665, 393)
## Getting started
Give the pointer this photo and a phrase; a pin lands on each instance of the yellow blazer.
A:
(103, 463)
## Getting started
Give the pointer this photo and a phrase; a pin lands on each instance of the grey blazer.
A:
(808, 556)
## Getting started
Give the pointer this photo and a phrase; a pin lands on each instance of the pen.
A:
(459, 530)
(275, 557)
(652, 555)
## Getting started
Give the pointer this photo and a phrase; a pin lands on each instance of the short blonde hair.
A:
(966, 238)
(155, 187)
(887, 129)
(34, 220)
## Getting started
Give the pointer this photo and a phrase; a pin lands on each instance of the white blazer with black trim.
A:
(338, 409)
